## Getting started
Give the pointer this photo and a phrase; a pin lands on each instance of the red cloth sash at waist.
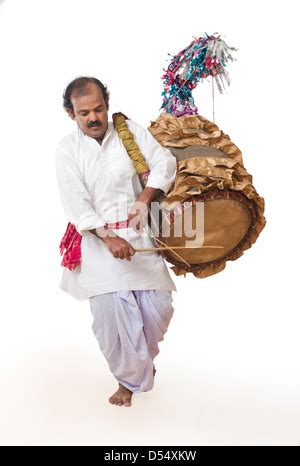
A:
(70, 246)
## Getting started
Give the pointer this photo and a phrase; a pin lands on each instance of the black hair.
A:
(80, 84)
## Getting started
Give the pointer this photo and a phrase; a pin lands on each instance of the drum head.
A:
(227, 219)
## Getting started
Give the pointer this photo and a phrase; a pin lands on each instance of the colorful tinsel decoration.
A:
(205, 56)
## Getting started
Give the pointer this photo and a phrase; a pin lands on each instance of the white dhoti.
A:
(128, 326)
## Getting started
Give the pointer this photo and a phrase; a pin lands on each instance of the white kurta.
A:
(97, 185)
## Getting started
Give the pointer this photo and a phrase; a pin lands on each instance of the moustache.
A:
(92, 124)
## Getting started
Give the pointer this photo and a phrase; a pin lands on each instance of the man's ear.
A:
(71, 113)
(107, 104)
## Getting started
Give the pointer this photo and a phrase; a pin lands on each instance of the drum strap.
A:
(133, 150)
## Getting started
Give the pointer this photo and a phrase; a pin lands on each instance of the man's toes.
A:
(114, 400)
(120, 398)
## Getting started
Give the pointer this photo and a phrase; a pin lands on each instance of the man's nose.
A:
(93, 116)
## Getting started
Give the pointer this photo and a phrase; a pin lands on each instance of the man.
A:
(130, 292)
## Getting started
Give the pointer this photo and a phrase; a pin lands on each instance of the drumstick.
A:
(163, 244)
(162, 248)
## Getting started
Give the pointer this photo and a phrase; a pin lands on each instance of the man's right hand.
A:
(119, 247)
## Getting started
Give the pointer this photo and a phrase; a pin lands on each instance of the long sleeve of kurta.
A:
(162, 163)
(74, 196)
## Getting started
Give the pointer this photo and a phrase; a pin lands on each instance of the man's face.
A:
(90, 111)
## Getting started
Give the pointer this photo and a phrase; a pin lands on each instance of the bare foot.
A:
(121, 397)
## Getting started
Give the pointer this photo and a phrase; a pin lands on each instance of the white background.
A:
(228, 371)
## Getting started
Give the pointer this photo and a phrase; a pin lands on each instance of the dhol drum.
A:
(212, 194)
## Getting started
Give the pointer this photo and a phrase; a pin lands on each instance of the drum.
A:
(212, 191)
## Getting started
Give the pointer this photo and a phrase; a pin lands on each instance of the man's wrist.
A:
(148, 195)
